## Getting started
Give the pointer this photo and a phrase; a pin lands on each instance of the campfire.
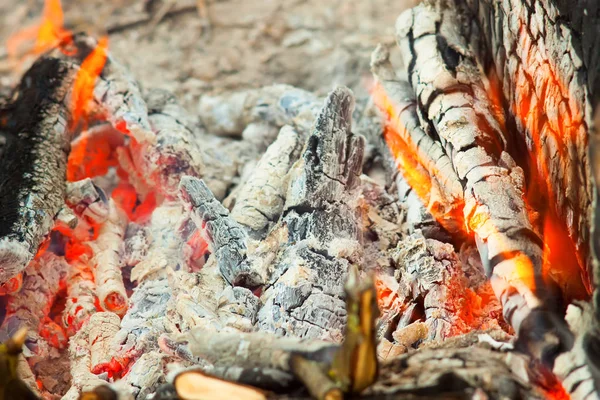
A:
(434, 239)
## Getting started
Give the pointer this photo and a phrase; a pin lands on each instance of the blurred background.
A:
(191, 47)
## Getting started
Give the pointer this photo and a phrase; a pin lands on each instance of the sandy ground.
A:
(313, 44)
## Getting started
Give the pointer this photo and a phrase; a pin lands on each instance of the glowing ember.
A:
(93, 153)
(12, 286)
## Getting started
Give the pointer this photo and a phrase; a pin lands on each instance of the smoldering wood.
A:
(83, 380)
(427, 270)
(31, 306)
(87, 200)
(108, 247)
(81, 296)
(102, 327)
(455, 103)
(546, 76)
(33, 162)
(118, 95)
(175, 152)
(447, 199)
(182, 147)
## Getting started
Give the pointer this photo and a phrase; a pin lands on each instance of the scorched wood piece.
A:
(453, 102)
(261, 198)
(33, 162)
(176, 151)
(226, 236)
(419, 163)
(108, 248)
(87, 200)
(457, 371)
(539, 58)
(320, 231)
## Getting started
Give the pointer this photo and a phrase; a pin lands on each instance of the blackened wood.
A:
(33, 163)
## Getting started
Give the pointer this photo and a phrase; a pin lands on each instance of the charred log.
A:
(33, 162)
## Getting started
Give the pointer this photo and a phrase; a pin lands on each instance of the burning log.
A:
(108, 247)
(33, 162)
(544, 82)
(453, 99)
(418, 161)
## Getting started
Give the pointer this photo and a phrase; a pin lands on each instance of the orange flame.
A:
(48, 34)
(83, 89)
(412, 164)
(552, 121)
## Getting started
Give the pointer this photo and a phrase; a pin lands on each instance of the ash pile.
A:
(431, 240)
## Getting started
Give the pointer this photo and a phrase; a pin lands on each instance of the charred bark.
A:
(33, 162)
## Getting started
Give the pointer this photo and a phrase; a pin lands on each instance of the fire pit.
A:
(432, 238)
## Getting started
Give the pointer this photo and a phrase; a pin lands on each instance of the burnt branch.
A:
(33, 162)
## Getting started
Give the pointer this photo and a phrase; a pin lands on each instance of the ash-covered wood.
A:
(538, 53)
(261, 198)
(227, 237)
(33, 162)
(108, 247)
(453, 101)
(319, 232)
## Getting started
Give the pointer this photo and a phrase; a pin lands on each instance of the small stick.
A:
(107, 259)
(316, 381)
(225, 235)
(103, 327)
(194, 384)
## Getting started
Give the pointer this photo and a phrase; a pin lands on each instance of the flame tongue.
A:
(48, 34)
(83, 89)
(51, 31)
